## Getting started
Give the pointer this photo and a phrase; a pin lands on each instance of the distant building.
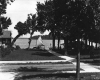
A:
(5, 38)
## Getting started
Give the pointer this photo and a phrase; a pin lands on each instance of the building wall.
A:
(6, 37)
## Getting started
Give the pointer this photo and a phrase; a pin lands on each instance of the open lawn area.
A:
(59, 76)
(23, 54)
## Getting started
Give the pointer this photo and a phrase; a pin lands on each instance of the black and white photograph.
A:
(49, 39)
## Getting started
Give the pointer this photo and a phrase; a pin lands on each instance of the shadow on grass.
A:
(43, 53)
(57, 75)
(60, 76)
(92, 62)
(35, 49)
(31, 69)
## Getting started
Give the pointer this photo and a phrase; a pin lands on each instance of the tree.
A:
(6, 21)
(76, 19)
(45, 19)
(31, 24)
(3, 6)
(22, 30)
(41, 17)
(58, 35)
(74, 16)
(82, 19)
(95, 5)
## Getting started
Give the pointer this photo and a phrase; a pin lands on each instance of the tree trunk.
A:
(78, 62)
(92, 44)
(30, 39)
(58, 40)
(0, 29)
(58, 43)
(96, 45)
(86, 44)
(89, 42)
(0, 26)
(14, 40)
(66, 45)
(81, 44)
(53, 36)
(29, 43)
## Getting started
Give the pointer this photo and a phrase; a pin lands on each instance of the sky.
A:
(19, 10)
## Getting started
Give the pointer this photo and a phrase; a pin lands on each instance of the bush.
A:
(5, 51)
(17, 47)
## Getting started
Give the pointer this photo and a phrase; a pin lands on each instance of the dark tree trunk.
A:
(58, 40)
(89, 42)
(80, 44)
(14, 40)
(0, 26)
(96, 45)
(53, 36)
(76, 44)
(78, 61)
(86, 44)
(0, 30)
(30, 39)
(66, 45)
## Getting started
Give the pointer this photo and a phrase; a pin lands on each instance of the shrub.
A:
(5, 51)
(17, 47)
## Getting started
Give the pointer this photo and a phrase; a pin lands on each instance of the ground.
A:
(25, 55)
(42, 65)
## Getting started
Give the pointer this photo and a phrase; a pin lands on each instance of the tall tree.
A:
(75, 16)
(45, 20)
(3, 6)
(22, 30)
(31, 23)
(95, 5)
(76, 19)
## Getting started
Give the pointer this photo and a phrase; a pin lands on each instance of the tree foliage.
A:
(4, 21)
(22, 30)
(74, 19)
(78, 18)
(31, 24)
(46, 19)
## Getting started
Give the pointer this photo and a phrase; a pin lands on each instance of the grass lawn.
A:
(59, 76)
(22, 54)
(92, 59)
